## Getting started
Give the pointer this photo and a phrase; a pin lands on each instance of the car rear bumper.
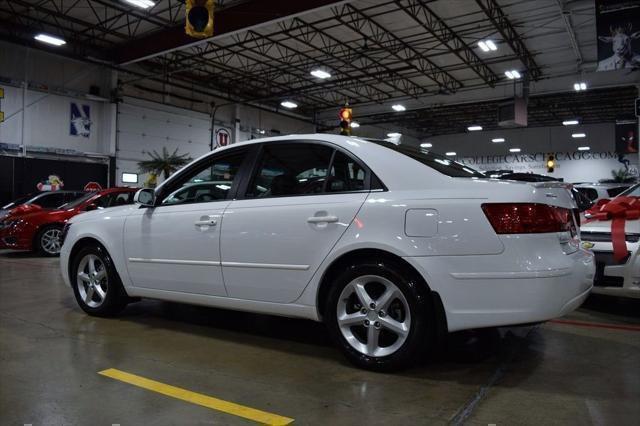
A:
(484, 291)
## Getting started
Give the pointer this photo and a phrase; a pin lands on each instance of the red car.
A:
(39, 229)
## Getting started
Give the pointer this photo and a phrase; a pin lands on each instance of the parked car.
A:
(387, 245)
(39, 229)
(615, 278)
(46, 200)
(598, 191)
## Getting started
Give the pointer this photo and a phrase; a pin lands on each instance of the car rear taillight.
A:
(528, 218)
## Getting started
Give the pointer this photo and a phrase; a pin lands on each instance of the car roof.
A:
(116, 189)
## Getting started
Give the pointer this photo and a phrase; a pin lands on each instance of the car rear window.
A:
(616, 191)
(437, 162)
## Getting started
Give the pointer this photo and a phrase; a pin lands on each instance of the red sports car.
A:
(39, 229)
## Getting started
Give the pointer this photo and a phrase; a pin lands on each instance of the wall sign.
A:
(80, 123)
(92, 187)
(618, 26)
(223, 137)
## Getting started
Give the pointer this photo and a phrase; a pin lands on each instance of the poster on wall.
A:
(80, 124)
(618, 28)
(626, 137)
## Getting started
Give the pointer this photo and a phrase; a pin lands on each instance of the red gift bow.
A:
(618, 211)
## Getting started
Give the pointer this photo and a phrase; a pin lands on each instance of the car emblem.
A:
(587, 245)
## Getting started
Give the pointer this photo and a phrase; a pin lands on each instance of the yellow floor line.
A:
(197, 398)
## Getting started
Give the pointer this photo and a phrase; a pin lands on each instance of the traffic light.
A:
(199, 22)
(345, 121)
(551, 163)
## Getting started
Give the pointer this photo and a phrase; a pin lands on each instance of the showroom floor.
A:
(51, 353)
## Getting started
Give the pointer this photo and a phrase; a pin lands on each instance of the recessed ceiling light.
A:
(355, 124)
(497, 140)
(45, 38)
(451, 153)
(320, 74)
(570, 122)
(579, 86)
(474, 128)
(398, 107)
(512, 74)
(394, 135)
(487, 45)
(579, 135)
(289, 104)
(583, 148)
(142, 4)
(426, 145)
(514, 149)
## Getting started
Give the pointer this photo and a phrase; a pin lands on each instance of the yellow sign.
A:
(1, 117)
(1, 93)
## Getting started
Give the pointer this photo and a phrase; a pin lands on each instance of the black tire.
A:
(416, 296)
(115, 297)
(42, 244)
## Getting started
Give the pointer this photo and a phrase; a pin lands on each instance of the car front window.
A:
(78, 201)
(634, 191)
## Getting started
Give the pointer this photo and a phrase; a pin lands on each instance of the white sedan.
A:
(388, 245)
(615, 277)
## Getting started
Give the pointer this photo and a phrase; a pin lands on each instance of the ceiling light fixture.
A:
(142, 4)
(394, 135)
(583, 148)
(45, 38)
(320, 74)
(487, 45)
(512, 74)
(426, 145)
(289, 104)
(570, 122)
(580, 86)
(514, 149)
(451, 154)
(474, 128)
(579, 135)
(497, 140)
(398, 107)
(355, 124)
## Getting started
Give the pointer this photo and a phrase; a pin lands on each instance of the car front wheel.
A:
(96, 284)
(48, 242)
(378, 315)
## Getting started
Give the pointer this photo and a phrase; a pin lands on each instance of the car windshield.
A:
(75, 203)
(442, 164)
(634, 191)
(21, 200)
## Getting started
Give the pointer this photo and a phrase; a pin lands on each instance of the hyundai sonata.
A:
(386, 244)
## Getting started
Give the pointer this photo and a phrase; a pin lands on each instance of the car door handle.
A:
(206, 222)
(322, 219)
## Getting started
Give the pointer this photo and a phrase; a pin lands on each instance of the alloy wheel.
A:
(50, 241)
(92, 280)
(373, 316)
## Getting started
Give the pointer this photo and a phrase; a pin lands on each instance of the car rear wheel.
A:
(96, 284)
(48, 241)
(379, 315)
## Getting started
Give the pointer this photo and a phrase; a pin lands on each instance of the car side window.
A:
(211, 181)
(289, 169)
(50, 201)
(346, 175)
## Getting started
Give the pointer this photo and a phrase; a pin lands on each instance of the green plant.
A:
(164, 163)
(620, 175)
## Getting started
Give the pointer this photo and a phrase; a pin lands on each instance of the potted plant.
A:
(164, 163)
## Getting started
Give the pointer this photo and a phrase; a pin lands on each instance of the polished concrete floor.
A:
(51, 353)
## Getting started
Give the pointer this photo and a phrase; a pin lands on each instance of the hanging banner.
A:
(618, 28)
(80, 124)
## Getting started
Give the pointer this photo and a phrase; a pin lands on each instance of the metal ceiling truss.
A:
(375, 33)
(420, 12)
(499, 19)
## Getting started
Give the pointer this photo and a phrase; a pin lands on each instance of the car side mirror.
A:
(90, 207)
(145, 197)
